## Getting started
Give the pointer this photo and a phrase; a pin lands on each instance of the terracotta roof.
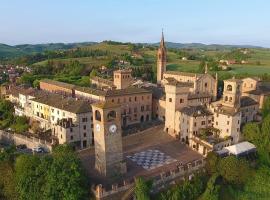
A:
(196, 111)
(226, 110)
(58, 83)
(68, 104)
(90, 90)
(16, 90)
(126, 91)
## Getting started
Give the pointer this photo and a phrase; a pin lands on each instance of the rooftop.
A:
(241, 148)
(173, 81)
(58, 83)
(247, 101)
(126, 91)
(201, 95)
(196, 111)
(16, 90)
(68, 104)
(263, 89)
(90, 90)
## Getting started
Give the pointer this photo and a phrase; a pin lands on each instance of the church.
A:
(190, 108)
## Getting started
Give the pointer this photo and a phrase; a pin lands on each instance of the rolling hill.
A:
(8, 51)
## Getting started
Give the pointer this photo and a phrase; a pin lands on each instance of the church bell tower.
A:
(161, 60)
(232, 93)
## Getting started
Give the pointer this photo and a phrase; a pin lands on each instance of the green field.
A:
(84, 60)
(258, 61)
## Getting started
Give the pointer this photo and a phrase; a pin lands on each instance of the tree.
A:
(142, 189)
(93, 73)
(252, 133)
(211, 163)
(212, 190)
(264, 149)
(234, 171)
(188, 190)
(257, 187)
(7, 181)
(28, 179)
(202, 67)
(266, 107)
(20, 124)
(65, 179)
(36, 83)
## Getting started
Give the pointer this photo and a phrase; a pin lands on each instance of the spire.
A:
(162, 42)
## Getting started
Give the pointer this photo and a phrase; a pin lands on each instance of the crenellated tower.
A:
(161, 59)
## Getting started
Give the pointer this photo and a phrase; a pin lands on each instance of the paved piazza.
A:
(151, 159)
(147, 154)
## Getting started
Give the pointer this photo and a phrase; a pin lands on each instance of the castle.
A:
(187, 103)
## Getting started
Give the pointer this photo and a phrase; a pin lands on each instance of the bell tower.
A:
(161, 60)
(108, 139)
(232, 93)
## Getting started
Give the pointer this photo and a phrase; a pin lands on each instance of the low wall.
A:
(30, 142)
(159, 182)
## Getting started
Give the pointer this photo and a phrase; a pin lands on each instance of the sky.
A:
(183, 21)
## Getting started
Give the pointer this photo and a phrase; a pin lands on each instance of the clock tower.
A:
(108, 139)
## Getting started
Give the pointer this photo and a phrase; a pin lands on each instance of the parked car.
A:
(38, 150)
(21, 146)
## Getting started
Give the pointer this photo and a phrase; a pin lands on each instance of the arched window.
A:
(226, 98)
(111, 115)
(147, 118)
(97, 115)
(230, 99)
(229, 87)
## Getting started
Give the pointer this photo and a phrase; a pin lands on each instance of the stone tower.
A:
(161, 59)
(122, 78)
(232, 93)
(108, 139)
(176, 98)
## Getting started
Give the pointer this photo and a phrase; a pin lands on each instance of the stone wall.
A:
(30, 142)
(159, 182)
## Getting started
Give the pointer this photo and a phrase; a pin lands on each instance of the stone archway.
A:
(142, 118)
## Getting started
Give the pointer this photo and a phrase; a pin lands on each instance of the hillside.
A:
(8, 51)
(205, 46)
(258, 61)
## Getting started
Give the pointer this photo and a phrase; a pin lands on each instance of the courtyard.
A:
(147, 154)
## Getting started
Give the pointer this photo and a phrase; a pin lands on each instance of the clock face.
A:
(113, 128)
(98, 127)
